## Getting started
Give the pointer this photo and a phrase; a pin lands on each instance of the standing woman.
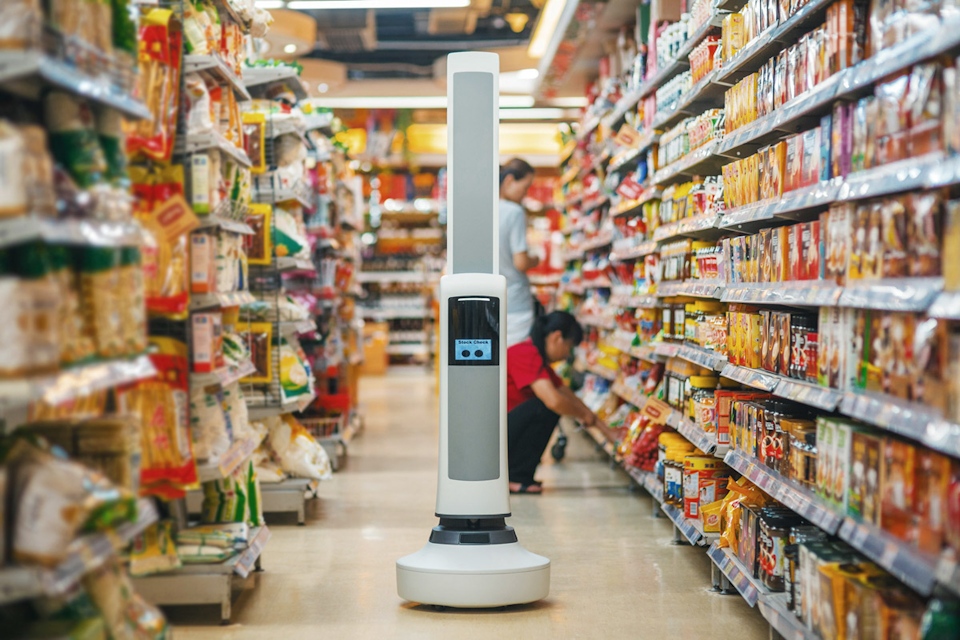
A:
(515, 179)
(536, 397)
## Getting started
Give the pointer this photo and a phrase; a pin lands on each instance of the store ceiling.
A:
(351, 53)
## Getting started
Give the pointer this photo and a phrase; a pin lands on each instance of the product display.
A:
(780, 329)
(133, 235)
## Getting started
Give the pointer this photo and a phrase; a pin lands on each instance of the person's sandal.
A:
(534, 488)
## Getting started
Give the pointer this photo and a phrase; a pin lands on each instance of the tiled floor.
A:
(615, 573)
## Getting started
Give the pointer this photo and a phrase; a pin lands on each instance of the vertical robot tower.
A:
(473, 559)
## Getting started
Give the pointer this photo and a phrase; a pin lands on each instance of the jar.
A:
(673, 473)
(695, 384)
(705, 410)
(803, 454)
(701, 476)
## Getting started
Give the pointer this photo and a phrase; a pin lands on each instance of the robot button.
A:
(465, 353)
(478, 353)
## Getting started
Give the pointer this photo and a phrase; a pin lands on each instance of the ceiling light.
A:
(377, 4)
(269, 4)
(290, 48)
(411, 102)
(546, 26)
(528, 74)
(323, 87)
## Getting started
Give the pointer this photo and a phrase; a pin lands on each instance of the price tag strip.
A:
(746, 585)
(910, 566)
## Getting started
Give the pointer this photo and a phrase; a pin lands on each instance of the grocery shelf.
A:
(787, 119)
(705, 225)
(222, 299)
(391, 276)
(627, 207)
(633, 302)
(264, 77)
(946, 306)
(210, 583)
(196, 142)
(808, 393)
(20, 68)
(896, 177)
(693, 288)
(648, 481)
(763, 380)
(691, 530)
(588, 127)
(94, 233)
(896, 294)
(266, 192)
(294, 264)
(84, 555)
(287, 496)
(773, 608)
(225, 375)
(595, 203)
(906, 564)
(645, 352)
(600, 283)
(703, 357)
(295, 327)
(803, 293)
(666, 349)
(230, 461)
(600, 323)
(753, 56)
(602, 239)
(226, 8)
(695, 435)
(260, 412)
(633, 396)
(225, 223)
(215, 67)
(750, 588)
(909, 419)
(705, 93)
(791, 494)
(626, 157)
(597, 370)
(74, 382)
(322, 121)
(702, 161)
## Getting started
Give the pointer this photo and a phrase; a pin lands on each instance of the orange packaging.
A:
(898, 484)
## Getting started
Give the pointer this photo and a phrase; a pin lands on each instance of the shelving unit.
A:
(644, 262)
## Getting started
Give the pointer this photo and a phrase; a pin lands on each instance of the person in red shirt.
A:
(536, 397)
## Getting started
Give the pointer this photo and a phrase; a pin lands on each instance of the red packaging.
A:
(812, 249)
(899, 488)
(795, 239)
(810, 172)
(952, 525)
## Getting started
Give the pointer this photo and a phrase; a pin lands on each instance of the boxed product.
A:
(206, 351)
(923, 233)
(826, 452)
(793, 157)
(842, 442)
(865, 467)
(898, 486)
(932, 495)
(203, 256)
(811, 153)
(836, 228)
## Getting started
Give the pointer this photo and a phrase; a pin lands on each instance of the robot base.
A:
(473, 576)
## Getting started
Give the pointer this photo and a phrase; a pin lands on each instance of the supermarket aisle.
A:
(615, 572)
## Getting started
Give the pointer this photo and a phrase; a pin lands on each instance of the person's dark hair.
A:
(517, 168)
(546, 324)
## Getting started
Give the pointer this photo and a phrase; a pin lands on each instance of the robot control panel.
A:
(474, 337)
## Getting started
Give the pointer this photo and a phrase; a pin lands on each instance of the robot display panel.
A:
(474, 336)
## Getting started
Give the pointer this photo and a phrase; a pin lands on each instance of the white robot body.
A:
(473, 559)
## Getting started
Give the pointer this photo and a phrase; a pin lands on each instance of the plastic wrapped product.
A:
(127, 615)
(113, 144)
(154, 550)
(73, 138)
(224, 500)
(227, 535)
(208, 424)
(31, 307)
(288, 240)
(235, 407)
(159, 59)
(167, 465)
(259, 339)
(299, 454)
(259, 246)
(295, 374)
(13, 194)
(53, 500)
(20, 22)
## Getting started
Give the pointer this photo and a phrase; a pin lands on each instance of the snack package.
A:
(154, 550)
(898, 483)
(167, 463)
(296, 378)
(127, 615)
(20, 23)
(923, 233)
(159, 60)
(259, 340)
(208, 424)
(225, 500)
(54, 499)
(299, 454)
(932, 491)
(73, 138)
